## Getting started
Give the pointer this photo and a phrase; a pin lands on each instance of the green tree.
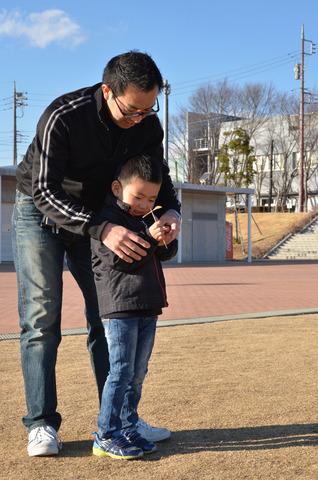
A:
(236, 164)
(236, 161)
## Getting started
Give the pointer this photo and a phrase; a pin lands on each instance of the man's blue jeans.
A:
(39, 261)
(130, 343)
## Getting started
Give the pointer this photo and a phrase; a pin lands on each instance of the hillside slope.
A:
(267, 230)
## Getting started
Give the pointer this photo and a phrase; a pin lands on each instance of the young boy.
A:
(130, 296)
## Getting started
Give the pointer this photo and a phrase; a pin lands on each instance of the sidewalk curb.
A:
(193, 321)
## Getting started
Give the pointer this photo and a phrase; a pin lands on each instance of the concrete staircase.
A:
(298, 246)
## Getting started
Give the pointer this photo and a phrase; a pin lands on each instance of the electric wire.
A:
(233, 71)
(238, 76)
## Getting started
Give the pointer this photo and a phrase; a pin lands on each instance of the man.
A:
(81, 140)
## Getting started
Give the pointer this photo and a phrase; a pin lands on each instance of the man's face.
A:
(138, 194)
(132, 101)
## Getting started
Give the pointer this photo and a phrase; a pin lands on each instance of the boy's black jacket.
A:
(69, 167)
(123, 286)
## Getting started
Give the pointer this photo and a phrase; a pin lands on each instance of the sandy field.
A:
(240, 398)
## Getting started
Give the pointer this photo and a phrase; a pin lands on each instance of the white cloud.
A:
(42, 28)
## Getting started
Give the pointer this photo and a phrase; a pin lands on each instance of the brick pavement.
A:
(197, 291)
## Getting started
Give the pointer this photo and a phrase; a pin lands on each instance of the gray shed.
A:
(7, 195)
(203, 234)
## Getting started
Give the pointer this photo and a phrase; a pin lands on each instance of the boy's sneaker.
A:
(150, 433)
(138, 441)
(43, 441)
(117, 447)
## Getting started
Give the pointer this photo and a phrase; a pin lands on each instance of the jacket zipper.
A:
(160, 284)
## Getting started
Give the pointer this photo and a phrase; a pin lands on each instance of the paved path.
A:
(196, 292)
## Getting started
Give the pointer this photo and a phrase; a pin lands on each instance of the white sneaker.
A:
(150, 433)
(43, 441)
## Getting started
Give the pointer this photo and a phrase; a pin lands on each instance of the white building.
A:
(276, 147)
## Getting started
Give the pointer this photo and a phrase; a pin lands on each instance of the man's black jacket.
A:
(69, 166)
(128, 287)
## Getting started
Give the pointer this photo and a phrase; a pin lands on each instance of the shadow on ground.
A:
(218, 440)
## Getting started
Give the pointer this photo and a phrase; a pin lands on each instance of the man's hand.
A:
(124, 242)
(171, 220)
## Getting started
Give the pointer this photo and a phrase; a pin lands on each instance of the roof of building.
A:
(219, 189)
(8, 170)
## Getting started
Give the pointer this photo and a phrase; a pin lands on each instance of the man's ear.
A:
(116, 188)
(106, 91)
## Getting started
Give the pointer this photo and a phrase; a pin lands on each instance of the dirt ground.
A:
(240, 398)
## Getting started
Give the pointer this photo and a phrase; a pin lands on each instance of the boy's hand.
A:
(124, 242)
(158, 232)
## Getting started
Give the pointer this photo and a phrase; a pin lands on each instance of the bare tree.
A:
(220, 98)
(210, 105)
(179, 146)
(284, 131)
(290, 108)
(277, 132)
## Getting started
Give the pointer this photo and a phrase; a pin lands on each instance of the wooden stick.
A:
(155, 219)
(151, 211)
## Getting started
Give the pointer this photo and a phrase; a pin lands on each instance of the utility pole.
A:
(176, 168)
(166, 92)
(209, 147)
(19, 99)
(301, 120)
(300, 75)
(14, 124)
(270, 196)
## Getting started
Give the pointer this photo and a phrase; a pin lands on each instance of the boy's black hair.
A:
(132, 68)
(145, 167)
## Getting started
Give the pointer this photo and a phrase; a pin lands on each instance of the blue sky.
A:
(49, 48)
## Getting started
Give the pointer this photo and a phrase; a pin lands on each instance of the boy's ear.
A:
(116, 188)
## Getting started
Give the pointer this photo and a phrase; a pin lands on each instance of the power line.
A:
(35, 105)
(47, 95)
(6, 98)
(229, 72)
(238, 76)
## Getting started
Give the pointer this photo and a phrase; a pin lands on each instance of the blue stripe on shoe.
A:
(117, 447)
(136, 440)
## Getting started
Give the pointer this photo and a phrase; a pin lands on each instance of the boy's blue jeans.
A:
(130, 343)
(39, 261)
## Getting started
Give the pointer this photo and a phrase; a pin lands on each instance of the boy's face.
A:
(138, 194)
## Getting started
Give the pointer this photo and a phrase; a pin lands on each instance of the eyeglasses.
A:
(143, 113)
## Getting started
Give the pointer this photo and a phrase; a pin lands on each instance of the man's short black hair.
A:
(132, 68)
(145, 167)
